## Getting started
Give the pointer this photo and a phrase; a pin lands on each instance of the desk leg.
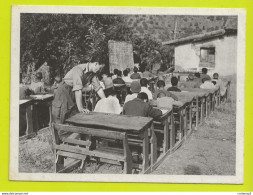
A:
(50, 115)
(172, 132)
(185, 122)
(197, 113)
(202, 110)
(166, 136)
(190, 116)
(35, 117)
(145, 143)
(29, 120)
(153, 141)
(207, 102)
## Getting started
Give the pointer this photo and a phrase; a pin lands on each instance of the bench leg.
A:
(59, 164)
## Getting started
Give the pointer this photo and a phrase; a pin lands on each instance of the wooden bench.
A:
(139, 130)
(83, 150)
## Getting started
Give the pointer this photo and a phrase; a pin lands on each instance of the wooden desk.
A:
(27, 105)
(204, 96)
(123, 123)
(45, 99)
(166, 121)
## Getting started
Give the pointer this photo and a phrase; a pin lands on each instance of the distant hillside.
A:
(162, 27)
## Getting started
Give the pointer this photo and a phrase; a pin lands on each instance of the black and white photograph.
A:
(127, 94)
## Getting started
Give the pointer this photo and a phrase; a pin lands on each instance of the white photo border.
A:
(14, 173)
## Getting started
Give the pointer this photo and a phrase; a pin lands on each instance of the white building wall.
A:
(187, 56)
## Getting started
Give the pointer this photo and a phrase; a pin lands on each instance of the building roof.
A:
(201, 37)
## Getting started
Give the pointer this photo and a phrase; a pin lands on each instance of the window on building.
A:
(207, 57)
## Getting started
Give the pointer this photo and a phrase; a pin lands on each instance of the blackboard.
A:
(120, 55)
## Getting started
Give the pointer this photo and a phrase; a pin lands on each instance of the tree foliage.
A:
(64, 40)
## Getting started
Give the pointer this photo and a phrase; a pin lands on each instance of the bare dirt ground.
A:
(209, 151)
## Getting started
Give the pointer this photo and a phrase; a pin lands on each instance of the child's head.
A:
(135, 87)
(125, 72)
(128, 70)
(119, 73)
(197, 75)
(135, 69)
(144, 82)
(215, 75)
(38, 76)
(115, 71)
(110, 74)
(143, 96)
(174, 81)
(204, 70)
(160, 84)
(111, 92)
(190, 77)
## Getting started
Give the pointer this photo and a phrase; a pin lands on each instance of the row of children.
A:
(116, 77)
(204, 81)
(138, 102)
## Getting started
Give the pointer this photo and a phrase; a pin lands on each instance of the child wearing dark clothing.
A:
(174, 82)
(135, 75)
(140, 107)
(118, 80)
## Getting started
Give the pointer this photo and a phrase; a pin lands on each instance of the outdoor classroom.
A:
(121, 111)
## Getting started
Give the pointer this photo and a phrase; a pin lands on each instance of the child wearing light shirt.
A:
(144, 88)
(109, 104)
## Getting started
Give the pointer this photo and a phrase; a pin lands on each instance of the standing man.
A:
(68, 99)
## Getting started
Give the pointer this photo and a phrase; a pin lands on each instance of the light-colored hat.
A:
(135, 87)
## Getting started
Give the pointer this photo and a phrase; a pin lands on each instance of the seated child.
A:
(204, 74)
(140, 107)
(118, 80)
(126, 76)
(161, 84)
(147, 73)
(174, 82)
(144, 88)
(160, 75)
(135, 75)
(57, 81)
(219, 83)
(191, 83)
(207, 84)
(115, 71)
(135, 88)
(37, 86)
(164, 101)
(107, 81)
(109, 104)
